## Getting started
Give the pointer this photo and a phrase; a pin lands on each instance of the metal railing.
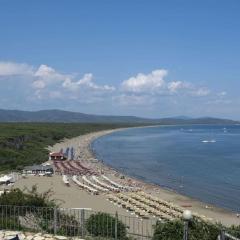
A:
(84, 223)
(226, 236)
(75, 222)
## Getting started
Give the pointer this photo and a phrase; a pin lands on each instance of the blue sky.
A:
(144, 58)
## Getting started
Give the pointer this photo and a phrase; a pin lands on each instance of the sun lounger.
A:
(113, 183)
(104, 184)
(84, 186)
(65, 180)
(85, 179)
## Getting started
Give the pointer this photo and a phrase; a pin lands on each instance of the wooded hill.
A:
(24, 144)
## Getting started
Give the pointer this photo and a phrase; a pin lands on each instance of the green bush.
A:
(67, 225)
(16, 204)
(234, 230)
(168, 231)
(103, 225)
(11, 223)
(197, 230)
(31, 198)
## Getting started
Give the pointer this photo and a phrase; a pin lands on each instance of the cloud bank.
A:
(45, 87)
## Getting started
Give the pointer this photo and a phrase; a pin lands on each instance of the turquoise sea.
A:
(202, 162)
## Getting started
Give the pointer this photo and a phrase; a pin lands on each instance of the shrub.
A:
(234, 230)
(11, 223)
(24, 209)
(32, 198)
(197, 230)
(203, 230)
(168, 231)
(103, 225)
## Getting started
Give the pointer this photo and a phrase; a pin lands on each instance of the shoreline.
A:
(151, 186)
(85, 153)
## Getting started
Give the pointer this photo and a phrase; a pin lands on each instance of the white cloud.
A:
(173, 87)
(45, 76)
(188, 89)
(155, 84)
(37, 94)
(201, 92)
(85, 82)
(55, 94)
(48, 82)
(45, 71)
(75, 85)
(143, 91)
(145, 82)
(219, 101)
(11, 69)
(134, 100)
(87, 79)
(68, 84)
(39, 84)
(221, 94)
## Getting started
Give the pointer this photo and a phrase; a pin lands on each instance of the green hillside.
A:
(60, 116)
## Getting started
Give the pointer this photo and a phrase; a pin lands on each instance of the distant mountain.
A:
(182, 117)
(75, 117)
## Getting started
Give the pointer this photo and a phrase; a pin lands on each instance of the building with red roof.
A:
(56, 156)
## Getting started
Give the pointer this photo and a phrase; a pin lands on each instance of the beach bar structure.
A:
(38, 169)
(59, 156)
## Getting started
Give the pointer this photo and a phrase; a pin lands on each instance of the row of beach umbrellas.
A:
(144, 205)
(172, 206)
(139, 208)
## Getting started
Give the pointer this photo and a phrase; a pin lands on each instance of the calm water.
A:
(176, 158)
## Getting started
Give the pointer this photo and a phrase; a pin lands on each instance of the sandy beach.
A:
(74, 197)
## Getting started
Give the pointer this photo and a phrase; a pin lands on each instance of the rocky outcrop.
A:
(6, 235)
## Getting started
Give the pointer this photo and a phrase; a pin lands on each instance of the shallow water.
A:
(177, 158)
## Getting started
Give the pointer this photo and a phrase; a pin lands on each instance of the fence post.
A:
(185, 230)
(116, 226)
(83, 222)
(55, 220)
(222, 234)
(14, 214)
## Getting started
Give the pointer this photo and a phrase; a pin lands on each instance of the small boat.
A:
(209, 141)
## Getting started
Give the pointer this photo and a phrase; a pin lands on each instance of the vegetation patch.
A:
(173, 230)
(104, 225)
(23, 144)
